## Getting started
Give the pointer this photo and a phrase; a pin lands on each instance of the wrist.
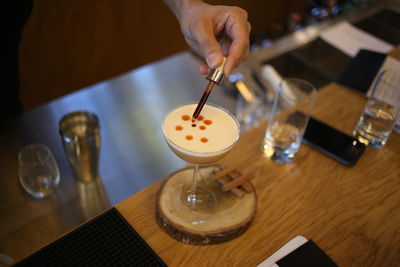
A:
(179, 7)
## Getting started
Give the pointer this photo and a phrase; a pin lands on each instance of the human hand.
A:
(214, 32)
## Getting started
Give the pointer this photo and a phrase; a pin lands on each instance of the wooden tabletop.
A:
(353, 214)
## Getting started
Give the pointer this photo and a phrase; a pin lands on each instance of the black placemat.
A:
(317, 62)
(107, 240)
(362, 70)
(384, 25)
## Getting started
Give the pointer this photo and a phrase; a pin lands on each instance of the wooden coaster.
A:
(231, 217)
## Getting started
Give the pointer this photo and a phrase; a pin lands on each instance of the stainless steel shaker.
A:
(80, 135)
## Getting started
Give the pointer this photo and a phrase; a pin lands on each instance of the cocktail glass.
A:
(193, 196)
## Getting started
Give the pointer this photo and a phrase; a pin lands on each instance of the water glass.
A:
(250, 102)
(288, 119)
(381, 111)
(80, 135)
(38, 170)
(249, 113)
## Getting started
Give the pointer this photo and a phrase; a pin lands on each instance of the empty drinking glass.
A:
(38, 170)
(288, 119)
(381, 111)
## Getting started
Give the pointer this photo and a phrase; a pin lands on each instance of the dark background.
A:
(71, 44)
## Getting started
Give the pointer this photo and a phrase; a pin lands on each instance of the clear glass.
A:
(196, 195)
(250, 102)
(381, 111)
(38, 170)
(288, 119)
(80, 135)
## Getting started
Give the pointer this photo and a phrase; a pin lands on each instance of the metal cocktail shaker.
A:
(80, 135)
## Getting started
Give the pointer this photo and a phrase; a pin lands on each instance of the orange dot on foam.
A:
(178, 128)
(189, 137)
(200, 118)
(185, 117)
(204, 139)
(208, 122)
(202, 127)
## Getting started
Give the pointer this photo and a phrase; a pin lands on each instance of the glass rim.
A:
(210, 104)
(91, 117)
(45, 148)
(312, 93)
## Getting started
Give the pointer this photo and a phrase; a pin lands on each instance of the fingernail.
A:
(214, 60)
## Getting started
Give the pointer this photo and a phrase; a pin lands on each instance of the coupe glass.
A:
(194, 195)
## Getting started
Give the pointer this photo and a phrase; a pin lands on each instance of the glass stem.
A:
(192, 197)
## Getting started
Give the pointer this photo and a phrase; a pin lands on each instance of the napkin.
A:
(350, 39)
(299, 252)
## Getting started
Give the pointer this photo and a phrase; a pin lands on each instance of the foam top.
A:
(215, 129)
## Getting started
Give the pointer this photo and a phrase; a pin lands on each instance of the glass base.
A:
(204, 202)
(374, 143)
(39, 187)
(218, 217)
(191, 208)
(278, 155)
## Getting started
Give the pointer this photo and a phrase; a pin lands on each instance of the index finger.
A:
(239, 50)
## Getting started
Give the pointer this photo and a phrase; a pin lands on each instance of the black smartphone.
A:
(332, 142)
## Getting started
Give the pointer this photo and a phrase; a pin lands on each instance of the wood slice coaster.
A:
(231, 217)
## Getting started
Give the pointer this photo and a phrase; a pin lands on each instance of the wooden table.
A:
(353, 214)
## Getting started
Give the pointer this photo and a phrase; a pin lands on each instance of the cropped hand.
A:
(214, 32)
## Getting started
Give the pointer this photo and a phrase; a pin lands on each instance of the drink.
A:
(375, 124)
(191, 197)
(207, 139)
(282, 142)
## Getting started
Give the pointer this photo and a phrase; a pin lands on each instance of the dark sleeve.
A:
(16, 14)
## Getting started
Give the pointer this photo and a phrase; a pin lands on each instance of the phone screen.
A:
(333, 143)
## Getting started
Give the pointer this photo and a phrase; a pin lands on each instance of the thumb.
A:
(213, 58)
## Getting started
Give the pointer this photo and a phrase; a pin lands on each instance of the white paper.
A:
(288, 248)
(350, 39)
(390, 63)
